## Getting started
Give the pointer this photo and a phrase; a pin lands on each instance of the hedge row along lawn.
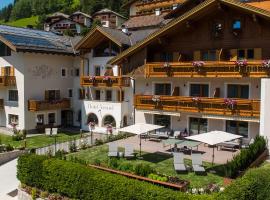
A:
(80, 182)
(39, 140)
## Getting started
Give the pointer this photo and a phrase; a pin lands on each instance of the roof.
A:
(144, 21)
(115, 35)
(128, 3)
(261, 4)
(30, 40)
(58, 14)
(105, 11)
(80, 13)
(182, 19)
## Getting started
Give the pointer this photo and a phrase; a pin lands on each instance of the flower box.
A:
(231, 103)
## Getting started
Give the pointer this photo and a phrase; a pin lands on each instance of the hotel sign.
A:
(100, 107)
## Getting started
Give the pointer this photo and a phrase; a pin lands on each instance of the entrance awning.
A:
(234, 118)
(160, 112)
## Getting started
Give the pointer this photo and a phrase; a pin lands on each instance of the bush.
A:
(81, 182)
(143, 169)
(9, 148)
(244, 159)
(113, 163)
(126, 166)
(72, 147)
(255, 184)
(158, 177)
(34, 193)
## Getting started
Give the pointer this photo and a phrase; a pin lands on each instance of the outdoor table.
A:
(189, 144)
(171, 141)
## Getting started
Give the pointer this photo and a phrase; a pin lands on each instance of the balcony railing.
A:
(105, 81)
(35, 105)
(228, 69)
(7, 80)
(204, 105)
(157, 4)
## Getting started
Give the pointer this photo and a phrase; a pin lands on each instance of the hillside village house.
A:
(109, 18)
(206, 70)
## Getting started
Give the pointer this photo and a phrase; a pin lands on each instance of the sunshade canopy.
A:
(214, 137)
(171, 141)
(140, 128)
(189, 144)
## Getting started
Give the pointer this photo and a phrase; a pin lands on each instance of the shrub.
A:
(72, 147)
(9, 148)
(158, 177)
(143, 169)
(44, 194)
(113, 163)
(80, 182)
(34, 193)
(60, 154)
(244, 159)
(255, 184)
(126, 166)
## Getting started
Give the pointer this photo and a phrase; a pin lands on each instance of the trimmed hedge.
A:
(80, 182)
(254, 185)
(246, 156)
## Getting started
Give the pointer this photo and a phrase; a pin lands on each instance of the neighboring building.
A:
(60, 22)
(107, 94)
(37, 70)
(109, 18)
(190, 75)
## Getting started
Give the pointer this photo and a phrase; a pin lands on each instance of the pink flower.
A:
(198, 64)
(196, 99)
(266, 63)
(106, 78)
(241, 63)
(92, 78)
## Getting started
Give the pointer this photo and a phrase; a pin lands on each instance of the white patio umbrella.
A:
(213, 138)
(139, 129)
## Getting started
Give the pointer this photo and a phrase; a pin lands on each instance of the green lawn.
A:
(23, 22)
(163, 163)
(38, 141)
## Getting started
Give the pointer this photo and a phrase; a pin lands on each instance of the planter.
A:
(182, 187)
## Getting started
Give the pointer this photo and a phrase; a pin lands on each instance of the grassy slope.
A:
(162, 163)
(22, 22)
(38, 141)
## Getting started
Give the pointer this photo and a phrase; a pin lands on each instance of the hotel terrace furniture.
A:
(54, 131)
(171, 141)
(103, 81)
(113, 150)
(178, 162)
(197, 163)
(129, 151)
(215, 106)
(230, 145)
(246, 145)
(188, 145)
(210, 69)
(37, 105)
(48, 131)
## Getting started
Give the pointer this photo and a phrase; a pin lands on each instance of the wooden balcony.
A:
(254, 69)
(7, 81)
(35, 105)
(157, 4)
(203, 105)
(101, 81)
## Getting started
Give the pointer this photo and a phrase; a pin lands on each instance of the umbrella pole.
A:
(140, 145)
(213, 155)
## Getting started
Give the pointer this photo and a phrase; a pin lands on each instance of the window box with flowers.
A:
(230, 103)
(197, 101)
(156, 100)
(266, 65)
(168, 68)
(92, 79)
(107, 79)
(242, 66)
(198, 65)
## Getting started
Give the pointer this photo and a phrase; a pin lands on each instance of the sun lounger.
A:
(113, 150)
(48, 131)
(54, 131)
(129, 151)
(197, 163)
(178, 161)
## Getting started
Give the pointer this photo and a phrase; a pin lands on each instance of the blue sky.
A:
(3, 3)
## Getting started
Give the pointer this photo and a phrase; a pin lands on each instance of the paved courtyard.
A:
(221, 156)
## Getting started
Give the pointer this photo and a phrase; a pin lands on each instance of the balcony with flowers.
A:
(105, 81)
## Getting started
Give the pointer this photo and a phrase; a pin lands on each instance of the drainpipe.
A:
(134, 91)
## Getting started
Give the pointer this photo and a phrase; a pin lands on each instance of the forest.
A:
(41, 8)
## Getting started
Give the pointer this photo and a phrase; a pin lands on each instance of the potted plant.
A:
(266, 64)
(242, 64)
(92, 79)
(196, 100)
(156, 99)
(107, 79)
(198, 65)
(230, 103)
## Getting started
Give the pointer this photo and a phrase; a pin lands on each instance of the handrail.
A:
(101, 81)
(39, 105)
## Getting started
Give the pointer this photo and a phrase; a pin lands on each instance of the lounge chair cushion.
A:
(198, 168)
(113, 154)
(180, 167)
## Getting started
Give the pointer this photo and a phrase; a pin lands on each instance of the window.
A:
(70, 93)
(162, 89)
(13, 119)
(108, 95)
(4, 50)
(77, 72)
(241, 54)
(7, 71)
(238, 91)
(237, 25)
(166, 57)
(97, 71)
(13, 95)
(197, 125)
(40, 119)
(51, 118)
(52, 95)
(97, 94)
(162, 120)
(237, 127)
(250, 54)
(199, 90)
(64, 72)
(245, 54)
(209, 55)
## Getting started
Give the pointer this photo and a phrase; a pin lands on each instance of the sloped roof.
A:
(127, 4)
(261, 4)
(115, 35)
(58, 14)
(30, 40)
(106, 10)
(181, 19)
(80, 13)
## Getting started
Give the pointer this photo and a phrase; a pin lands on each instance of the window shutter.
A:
(46, 95)
(233, 55)
(196, 55)
(257, 54)
(57, 94)
(11, 71)
(123, 95)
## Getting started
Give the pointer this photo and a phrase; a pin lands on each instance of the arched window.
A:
(109, 120)
(92, 118)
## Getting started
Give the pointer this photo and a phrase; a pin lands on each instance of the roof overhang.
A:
(127, 4)
(8, 43)
(191, 14)
(94, 37)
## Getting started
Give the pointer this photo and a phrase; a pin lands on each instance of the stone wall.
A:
(8, 156)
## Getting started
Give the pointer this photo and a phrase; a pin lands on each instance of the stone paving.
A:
(221, 156)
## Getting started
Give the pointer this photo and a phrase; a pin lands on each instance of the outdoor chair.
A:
(244, 146)
(178, 161)
(176, 134)
(129, 151)
(197, 163)
(48, 131)
(54, 131)
(113, 150)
